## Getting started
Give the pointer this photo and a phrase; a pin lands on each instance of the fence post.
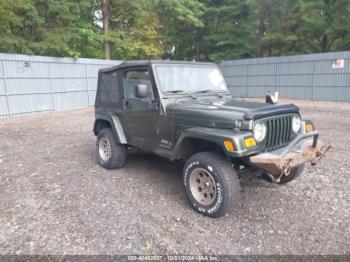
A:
(87, 85)
(277, 78)
(247, 80)
(347, 61)
(51, 89)
(6, 93)
(313, 80)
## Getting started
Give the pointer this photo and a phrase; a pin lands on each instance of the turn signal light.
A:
(229, 145)
(309, 128)
(250, 142)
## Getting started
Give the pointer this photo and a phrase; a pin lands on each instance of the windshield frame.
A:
(163, 93)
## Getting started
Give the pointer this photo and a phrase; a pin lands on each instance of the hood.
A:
(221, 113)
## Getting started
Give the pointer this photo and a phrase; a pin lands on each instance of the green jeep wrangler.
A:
(184, 111)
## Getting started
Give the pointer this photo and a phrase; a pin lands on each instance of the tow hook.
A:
(285, 172)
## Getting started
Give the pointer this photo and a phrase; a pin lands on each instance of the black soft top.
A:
(150, 62)
(110, 91)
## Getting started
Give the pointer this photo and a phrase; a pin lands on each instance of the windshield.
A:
(189, 78)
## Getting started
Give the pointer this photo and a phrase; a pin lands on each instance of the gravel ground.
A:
(55, 199)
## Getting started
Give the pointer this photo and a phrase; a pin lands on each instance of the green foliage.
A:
(180, 22)
(226, 34)
(133, 30)
(176, 29)
(17, 20)
(326, 25)
(54, 28)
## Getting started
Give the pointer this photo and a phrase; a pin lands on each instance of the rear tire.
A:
(211, 184)
(110, 154)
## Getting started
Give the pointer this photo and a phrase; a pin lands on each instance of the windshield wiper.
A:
(218, 93)
(202, 91)
(173, 91)
(179, 91)
(207, 91)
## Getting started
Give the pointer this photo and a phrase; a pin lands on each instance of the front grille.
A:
(278, 132)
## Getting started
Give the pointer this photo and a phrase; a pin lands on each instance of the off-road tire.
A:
(294, 173)
(117, 152)
(224, 178)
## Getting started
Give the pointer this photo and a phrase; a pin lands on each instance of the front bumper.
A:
(304, 148)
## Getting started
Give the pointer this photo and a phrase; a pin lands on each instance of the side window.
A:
(134, 78)
(109, 89)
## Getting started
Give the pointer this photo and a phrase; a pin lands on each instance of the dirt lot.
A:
(55, 199)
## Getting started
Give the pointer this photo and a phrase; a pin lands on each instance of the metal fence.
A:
(31, 84)
(316, 76)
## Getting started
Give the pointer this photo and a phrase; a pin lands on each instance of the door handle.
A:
(154, 104)
(126, 104)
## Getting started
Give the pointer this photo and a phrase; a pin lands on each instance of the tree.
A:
(65, 27)
(226, 33)
(278, 23)
(45, 28)
(177, 29)
(106, 16)
(326, 24)
(19, 22)
(180, 22)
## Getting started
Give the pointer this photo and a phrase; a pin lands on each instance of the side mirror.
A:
(141, 91)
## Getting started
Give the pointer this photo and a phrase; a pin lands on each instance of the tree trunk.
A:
(324, 44)
(105, 19)
(261, 37)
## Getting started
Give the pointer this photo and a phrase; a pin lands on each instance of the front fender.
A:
(217, 136)
(115, 124)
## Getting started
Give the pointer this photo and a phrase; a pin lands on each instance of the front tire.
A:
(110, 154)
(211, 184)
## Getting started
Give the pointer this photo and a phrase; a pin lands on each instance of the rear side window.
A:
(109, 89)
(134, 78)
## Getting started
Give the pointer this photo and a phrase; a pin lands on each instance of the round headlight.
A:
(259, 131)
(296, 123)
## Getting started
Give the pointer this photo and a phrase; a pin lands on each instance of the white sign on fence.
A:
(338, 64)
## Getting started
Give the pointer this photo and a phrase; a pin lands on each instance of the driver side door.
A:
(140, 114)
